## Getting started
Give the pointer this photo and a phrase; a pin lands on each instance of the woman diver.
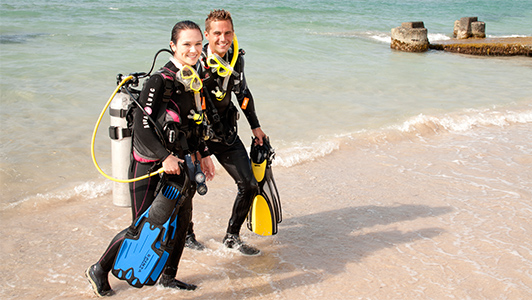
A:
(168, 97)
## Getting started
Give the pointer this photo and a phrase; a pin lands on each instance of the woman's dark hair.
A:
(183, 25)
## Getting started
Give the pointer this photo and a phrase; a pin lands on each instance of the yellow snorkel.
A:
(235, 49)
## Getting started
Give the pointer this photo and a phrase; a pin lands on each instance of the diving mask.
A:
(222, 67)
(190, 79)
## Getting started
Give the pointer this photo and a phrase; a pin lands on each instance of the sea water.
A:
(319, 70)
(402, 175)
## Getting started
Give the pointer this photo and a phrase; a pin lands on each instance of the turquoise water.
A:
(320, 70)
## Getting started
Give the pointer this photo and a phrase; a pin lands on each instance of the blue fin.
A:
(142, 256)
(149, 241)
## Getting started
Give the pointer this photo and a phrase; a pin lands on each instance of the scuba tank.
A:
(122, 103)
(121, 142)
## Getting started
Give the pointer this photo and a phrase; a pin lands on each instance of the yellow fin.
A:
(261, 217)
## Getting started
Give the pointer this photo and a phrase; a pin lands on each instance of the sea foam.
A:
(421, 125)
(467, 120)
(86, 191)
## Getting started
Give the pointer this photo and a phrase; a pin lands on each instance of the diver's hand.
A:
(259, 134)
(171, 165)
(207, 167)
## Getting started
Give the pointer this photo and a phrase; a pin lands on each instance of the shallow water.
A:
(320, 69)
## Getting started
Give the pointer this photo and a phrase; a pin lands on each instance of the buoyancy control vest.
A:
(222, 114)
(221, 111)
(180, 133)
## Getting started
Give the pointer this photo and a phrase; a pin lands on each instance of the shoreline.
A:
(511, 46)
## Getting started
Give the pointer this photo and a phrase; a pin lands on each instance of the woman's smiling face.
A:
(187, 49)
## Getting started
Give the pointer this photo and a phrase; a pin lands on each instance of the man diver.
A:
(220, 79)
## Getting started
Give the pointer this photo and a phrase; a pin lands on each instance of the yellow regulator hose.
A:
(161, 170)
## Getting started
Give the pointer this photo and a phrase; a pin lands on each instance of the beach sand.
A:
(444, 217)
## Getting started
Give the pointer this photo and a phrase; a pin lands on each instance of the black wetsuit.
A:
(149, 152)
(226, 145)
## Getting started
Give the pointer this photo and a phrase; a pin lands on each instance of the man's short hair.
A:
(217, 15)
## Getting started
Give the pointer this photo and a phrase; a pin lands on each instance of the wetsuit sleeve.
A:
(244, 96)
(147, 142)
(203, 150)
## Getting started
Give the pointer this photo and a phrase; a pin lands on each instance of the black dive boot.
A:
(170, 282)
(233, 241)
(99, 280)
(192, 243)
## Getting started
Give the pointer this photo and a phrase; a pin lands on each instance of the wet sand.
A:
(445, 217)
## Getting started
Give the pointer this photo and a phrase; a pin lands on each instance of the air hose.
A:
(161, 170)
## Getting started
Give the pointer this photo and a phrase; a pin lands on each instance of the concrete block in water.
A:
(410, 25)
(410, 37)
(463, 27)
(478, 29)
